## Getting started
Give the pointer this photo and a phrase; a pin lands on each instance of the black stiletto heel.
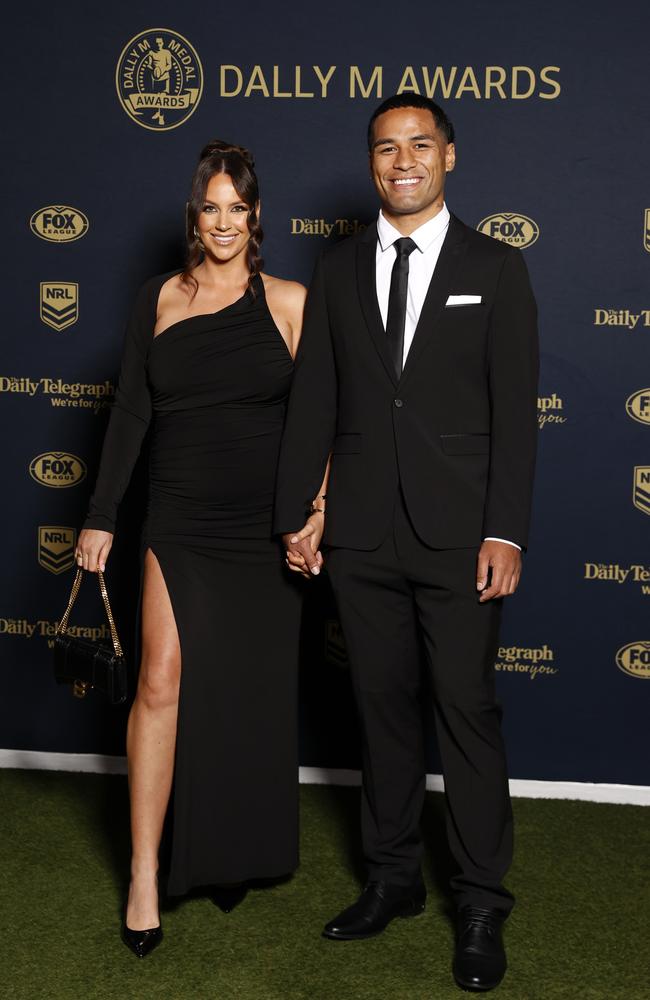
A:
(141, 942)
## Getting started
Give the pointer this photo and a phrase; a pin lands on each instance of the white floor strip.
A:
(519, 787)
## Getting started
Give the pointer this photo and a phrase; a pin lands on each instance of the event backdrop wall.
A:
(550, 105)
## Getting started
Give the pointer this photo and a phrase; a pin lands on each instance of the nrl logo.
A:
(59, 303)
(56, 547)
(641, 495)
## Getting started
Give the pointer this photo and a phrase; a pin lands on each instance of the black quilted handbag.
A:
(85, 663)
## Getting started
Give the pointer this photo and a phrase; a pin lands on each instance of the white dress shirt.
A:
(428, 239)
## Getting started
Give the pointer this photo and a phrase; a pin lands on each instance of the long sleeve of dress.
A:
(129, 419)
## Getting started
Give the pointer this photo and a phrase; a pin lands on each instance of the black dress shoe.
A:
(141, 942)
(378, 904)
(227, 897)
(480, 958)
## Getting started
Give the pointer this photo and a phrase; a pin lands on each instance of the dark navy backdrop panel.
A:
(102, 132)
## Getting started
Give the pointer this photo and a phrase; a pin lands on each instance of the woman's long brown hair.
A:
(223, 158)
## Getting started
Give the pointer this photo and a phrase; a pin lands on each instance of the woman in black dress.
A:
(207, 362)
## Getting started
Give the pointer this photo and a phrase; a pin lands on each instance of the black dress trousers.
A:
(392, 601)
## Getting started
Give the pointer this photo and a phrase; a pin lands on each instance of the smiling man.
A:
(417, 378)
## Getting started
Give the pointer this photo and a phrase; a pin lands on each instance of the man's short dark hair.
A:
(413, 101)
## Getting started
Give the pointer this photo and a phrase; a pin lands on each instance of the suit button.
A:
(398, 403)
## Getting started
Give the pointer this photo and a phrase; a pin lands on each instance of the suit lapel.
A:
(450, 256)
(367, 285)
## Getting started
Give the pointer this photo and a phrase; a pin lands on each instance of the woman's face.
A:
(223, 220)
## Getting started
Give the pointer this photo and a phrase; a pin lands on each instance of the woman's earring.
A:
(197, 237)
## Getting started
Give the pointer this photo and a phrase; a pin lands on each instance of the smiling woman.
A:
(223, 209)
(208, 361)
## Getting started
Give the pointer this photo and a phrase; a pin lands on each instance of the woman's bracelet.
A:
(318, 510)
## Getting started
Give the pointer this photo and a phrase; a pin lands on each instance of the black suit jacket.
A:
(458, 429)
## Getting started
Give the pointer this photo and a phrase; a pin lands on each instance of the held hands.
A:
(303, 555)
(93, 548)
(504, 562)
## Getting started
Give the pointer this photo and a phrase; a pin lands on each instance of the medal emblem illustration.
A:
(159, 79)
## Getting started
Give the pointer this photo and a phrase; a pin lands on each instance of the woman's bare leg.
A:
(150, 744)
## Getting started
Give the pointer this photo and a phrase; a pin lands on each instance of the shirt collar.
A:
(423, 236)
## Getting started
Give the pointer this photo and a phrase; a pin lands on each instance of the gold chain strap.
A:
(63, 624)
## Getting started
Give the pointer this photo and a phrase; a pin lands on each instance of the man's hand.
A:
(303, 555)
(504, 561)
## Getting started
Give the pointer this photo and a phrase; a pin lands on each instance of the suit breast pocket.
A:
(347, 444)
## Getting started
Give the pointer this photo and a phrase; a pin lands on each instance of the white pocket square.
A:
(463, 300)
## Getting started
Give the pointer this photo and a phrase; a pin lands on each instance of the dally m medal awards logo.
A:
(59, 223)
(634, 659)
(517, 230)
(646, 230)
(59, 303)
(642, 488)
(56, 547)
(159, 79)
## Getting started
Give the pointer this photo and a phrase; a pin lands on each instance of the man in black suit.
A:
(417, 374)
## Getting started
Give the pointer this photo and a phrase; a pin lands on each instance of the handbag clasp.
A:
(81, 688)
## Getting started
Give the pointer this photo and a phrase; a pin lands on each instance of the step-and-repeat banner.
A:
(103, 126)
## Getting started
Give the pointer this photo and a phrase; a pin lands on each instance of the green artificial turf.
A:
(580, 930)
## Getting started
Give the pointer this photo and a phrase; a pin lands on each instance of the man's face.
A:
(409, 160)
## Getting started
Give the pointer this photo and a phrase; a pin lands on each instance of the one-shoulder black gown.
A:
(214, 390)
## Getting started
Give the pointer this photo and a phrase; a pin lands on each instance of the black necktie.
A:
(396, 319)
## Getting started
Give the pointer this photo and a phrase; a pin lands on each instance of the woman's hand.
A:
(303, 555)
(93, 548)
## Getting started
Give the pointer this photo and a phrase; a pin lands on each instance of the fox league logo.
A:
(59, 223)
(517, 230)
(634, 659)
(57, 469)
(159, 79)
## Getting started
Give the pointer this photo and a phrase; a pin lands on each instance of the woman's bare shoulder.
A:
(291, 294)
(173, 291)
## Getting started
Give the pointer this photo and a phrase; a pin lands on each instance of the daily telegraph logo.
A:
(56, 547)
(57, 469)
(641, 492)
(550, 410)
(59, 223)
(325, 227)
(159, 79)
(95, 396)
(59, 303)
(535, 661)
(46, 629)
(637, 406)
(620, 574)
(517, 230)
(621, 317)
(634, 659)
